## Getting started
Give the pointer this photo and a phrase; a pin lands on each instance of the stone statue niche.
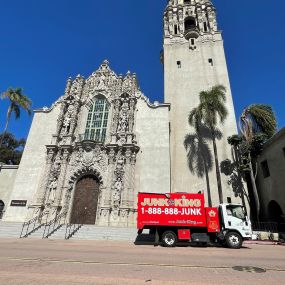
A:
(52, 187)
(123, 125)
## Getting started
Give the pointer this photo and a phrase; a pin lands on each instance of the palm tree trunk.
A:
(6, 126)
(208, 186)
(254, 189)
(237, 159)
(218, 174)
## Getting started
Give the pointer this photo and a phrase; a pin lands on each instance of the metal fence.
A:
(281, 228)
(265, 227)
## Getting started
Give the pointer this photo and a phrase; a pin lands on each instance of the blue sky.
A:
(45, 42)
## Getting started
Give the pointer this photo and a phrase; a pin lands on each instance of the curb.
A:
(265, 242)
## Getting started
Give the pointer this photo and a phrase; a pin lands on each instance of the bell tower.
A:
(194, 61)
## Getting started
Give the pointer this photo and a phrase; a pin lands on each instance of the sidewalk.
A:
(263, 242)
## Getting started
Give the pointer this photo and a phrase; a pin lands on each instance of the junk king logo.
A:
(161, 202)
(212, 214)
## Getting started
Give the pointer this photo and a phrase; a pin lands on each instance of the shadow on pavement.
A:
(145, 239)
(148, 239)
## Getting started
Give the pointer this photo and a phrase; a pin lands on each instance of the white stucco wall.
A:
(7, 178)
(153, 160)
(272, 188)
(33, 162)
(182, 88)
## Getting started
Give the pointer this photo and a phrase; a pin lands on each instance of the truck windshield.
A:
(236, 211)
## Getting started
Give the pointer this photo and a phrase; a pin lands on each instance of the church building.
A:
(102, 142)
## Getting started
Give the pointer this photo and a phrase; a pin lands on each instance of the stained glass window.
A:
(97, 121)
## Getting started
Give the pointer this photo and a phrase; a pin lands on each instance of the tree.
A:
(212, 110)
(11, 150)
(17, 101)
(256, 119)
(236, 169)
(244, 153)
(199, 157)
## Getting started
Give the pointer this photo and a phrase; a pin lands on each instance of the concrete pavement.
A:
(87, 262)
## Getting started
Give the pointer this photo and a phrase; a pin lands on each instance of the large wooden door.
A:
(85, 201)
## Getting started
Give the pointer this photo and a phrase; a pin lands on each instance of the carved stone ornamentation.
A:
(90, 156)
(66, 125)
(56, 165)
(70, 159)
(123, 125)
(118, 186)
(52, 191)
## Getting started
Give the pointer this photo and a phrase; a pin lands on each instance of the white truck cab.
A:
(235, 225)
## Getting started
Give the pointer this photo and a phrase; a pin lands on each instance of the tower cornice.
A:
(184, 19)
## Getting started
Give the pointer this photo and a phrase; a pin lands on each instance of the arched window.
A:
(275, 213)
(97, 120)
(190, 23)
(2, 206)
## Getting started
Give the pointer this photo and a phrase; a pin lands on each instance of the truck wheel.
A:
(169, 239)
(233, 240)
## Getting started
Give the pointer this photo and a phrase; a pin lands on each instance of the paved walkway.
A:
(87, 262)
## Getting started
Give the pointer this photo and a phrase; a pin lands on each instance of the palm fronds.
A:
(258, 118)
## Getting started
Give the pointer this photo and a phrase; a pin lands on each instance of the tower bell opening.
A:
(190, 23)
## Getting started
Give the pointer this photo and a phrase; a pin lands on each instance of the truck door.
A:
(235, 219)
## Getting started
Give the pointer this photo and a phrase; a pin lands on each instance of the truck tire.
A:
(169, 239)
(234, 240)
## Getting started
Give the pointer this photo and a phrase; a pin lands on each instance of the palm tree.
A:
(17, 101)
(199, 158)
(213, 111)
(256, 118)
(199, 155)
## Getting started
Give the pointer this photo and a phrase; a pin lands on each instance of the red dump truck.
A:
(183, 217)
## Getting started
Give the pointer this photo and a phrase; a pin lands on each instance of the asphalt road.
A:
(40, 262)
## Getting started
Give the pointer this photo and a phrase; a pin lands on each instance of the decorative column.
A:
(200, 23)
(61, 178)
(132, 114)
(117, 188)
(60, 120)
(125, 203)
(127, 179)
(63, 107)
(181, 22)
(106, 199)
(211, 17)
(133, 197)
(115, 121)
(170, 22)
(110, 179)
(73, 122)
(46, 176)
(130, 135)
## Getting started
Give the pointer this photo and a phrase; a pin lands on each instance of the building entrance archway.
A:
(85, 201)
(275, 212)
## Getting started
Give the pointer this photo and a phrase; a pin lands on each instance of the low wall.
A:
(266, 236)
(7, 178)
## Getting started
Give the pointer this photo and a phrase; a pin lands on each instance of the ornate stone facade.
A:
(71, 155)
